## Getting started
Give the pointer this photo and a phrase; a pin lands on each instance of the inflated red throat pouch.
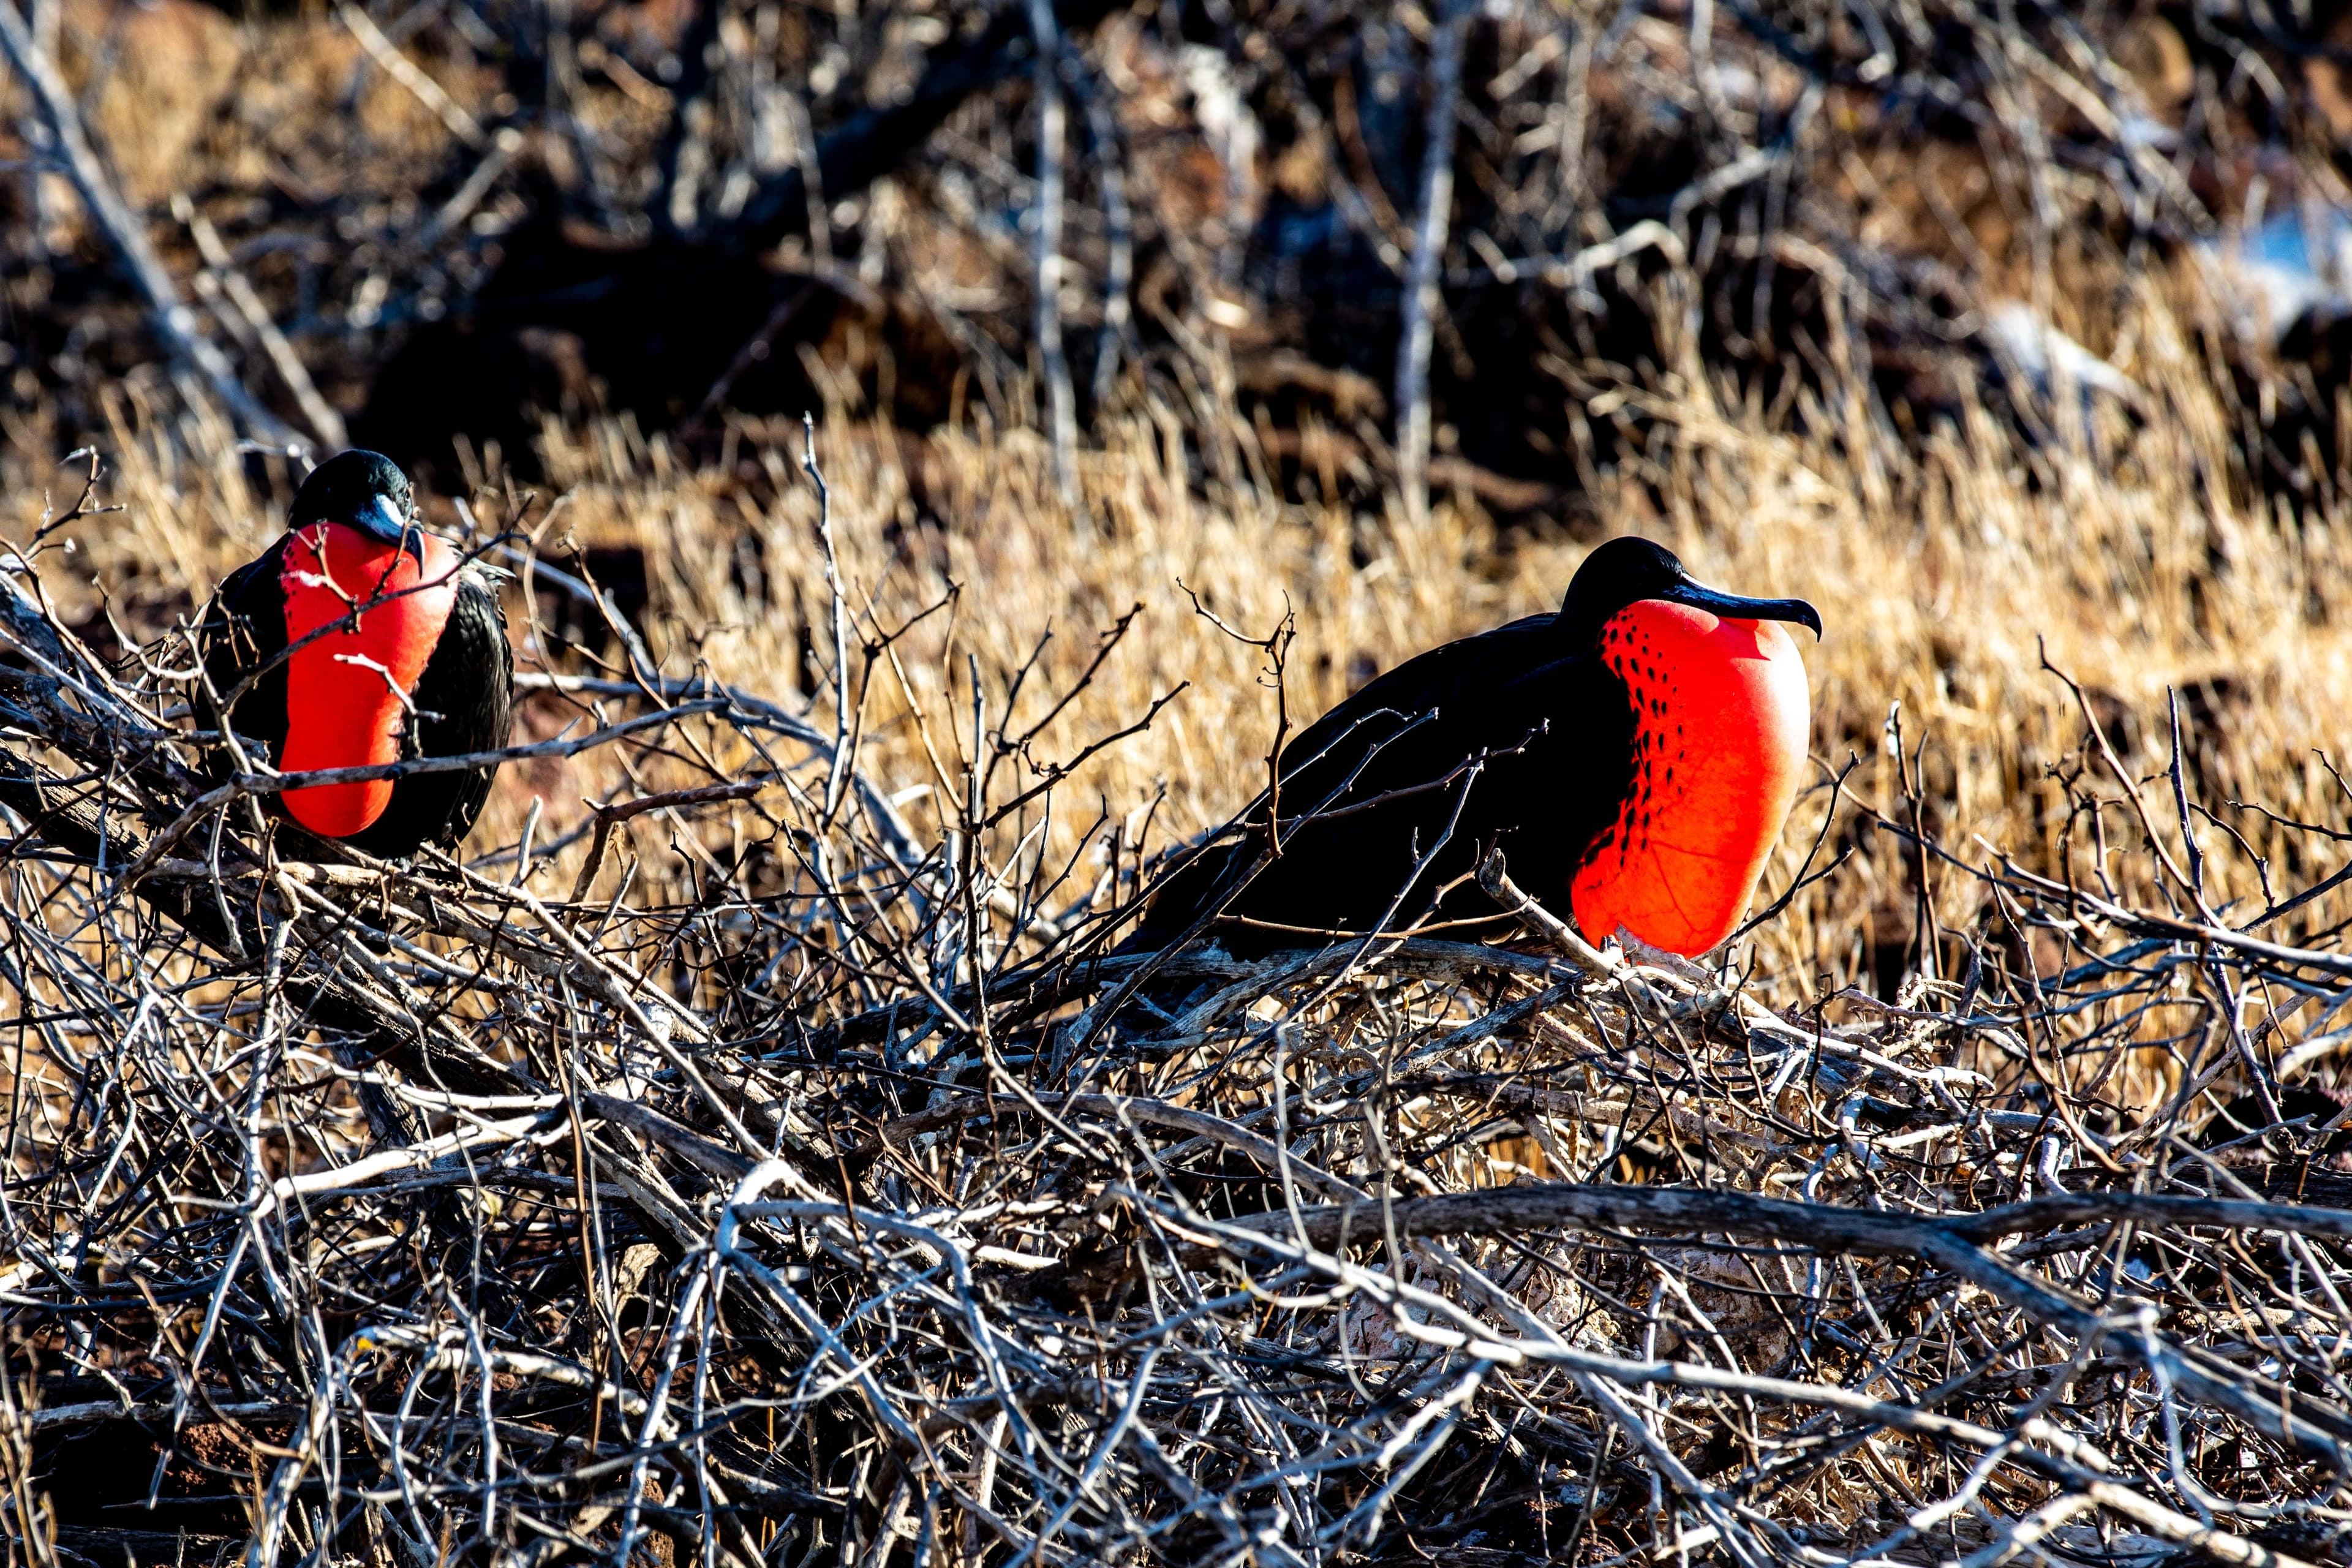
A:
(1722, 713)
(346, 694)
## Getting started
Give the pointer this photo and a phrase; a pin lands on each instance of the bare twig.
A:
(1421, 301)
(1061, 405)
(404, 70)
(324, 422)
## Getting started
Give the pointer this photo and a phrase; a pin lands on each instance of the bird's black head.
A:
(365, 491)
(1627, 570)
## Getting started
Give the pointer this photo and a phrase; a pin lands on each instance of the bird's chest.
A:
(1720, 717)
(376, 613)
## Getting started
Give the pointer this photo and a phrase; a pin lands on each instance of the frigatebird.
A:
(359, 639)
(1634, 756)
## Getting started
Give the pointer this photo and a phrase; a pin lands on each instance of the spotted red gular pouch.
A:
(378, 611)
(1633, 755)
(360, 639)
(1721, 714)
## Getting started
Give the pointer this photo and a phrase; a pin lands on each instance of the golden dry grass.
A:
(1942, 574)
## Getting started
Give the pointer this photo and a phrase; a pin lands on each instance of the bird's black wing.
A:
(244, 630)
(1495, 738)
(464, 699)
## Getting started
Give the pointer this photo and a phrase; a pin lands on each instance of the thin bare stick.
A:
(1061, 404)
(325, 422)
(1421, 301)
(172, 320)
(838, 773)
(404, 70)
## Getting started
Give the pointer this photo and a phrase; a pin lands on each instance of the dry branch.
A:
(126, 232)
(1053, 137)
(1435, 214)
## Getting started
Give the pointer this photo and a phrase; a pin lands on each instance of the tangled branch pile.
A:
(799, 1190)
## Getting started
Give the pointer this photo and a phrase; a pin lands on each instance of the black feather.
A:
(243, 631)
(1509, 738)
(464, 699)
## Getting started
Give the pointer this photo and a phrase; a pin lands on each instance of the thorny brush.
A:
(748, 1167)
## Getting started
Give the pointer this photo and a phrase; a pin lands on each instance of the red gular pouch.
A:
(1722, 713)
(346, 693)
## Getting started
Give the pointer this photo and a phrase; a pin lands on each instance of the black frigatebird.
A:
(1634, 756)
(398, 649)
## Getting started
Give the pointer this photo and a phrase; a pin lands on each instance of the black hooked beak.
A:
(382, 522)
(1731, 606)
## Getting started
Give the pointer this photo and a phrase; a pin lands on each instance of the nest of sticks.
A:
(798, 1191)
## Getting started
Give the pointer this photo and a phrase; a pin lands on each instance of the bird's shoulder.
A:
(244, 589)
(472, 673)
(245, 621)
(1475, 682)
(483, 576)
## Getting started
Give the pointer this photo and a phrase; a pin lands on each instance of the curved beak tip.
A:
(1794, 611)
(380, 521)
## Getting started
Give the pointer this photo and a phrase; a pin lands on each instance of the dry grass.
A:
(1945, 572)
